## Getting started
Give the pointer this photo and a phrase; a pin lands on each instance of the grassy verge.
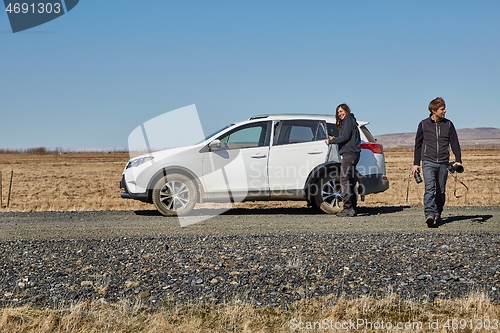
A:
(474, 313)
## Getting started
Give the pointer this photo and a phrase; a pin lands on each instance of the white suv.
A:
(268, 157)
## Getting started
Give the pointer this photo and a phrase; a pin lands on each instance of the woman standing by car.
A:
(348, 142)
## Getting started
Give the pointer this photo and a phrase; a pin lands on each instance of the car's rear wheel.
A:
(328, 194)
(174, 195)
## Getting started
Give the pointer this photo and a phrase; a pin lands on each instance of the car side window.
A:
(246, 136)
(332, 129)
(321, 135)
(296, 131)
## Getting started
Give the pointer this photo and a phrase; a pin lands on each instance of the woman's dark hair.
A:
(339, 121)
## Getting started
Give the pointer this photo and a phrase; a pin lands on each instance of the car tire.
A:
(174, 195)
(328, 194)
(312, 204)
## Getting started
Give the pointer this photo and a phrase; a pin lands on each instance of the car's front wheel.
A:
(174, 195)
(328, 194)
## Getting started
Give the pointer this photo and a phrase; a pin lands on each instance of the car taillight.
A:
(376, 148)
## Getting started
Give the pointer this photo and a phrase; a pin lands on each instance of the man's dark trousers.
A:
(435, 176)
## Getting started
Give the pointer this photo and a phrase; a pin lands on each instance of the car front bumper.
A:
(126, 194)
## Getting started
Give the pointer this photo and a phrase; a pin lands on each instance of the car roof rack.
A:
(259, 117)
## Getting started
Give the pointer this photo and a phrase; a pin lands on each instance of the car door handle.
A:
(315, 152)
(259, 156)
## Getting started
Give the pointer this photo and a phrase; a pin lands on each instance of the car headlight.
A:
(138, 161)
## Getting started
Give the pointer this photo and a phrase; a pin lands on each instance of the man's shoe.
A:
(347, 213)
(437, 218)
(430, 221)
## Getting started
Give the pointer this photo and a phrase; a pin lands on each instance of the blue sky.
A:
(88, 78)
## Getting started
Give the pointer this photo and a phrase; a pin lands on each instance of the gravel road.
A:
(263, 256)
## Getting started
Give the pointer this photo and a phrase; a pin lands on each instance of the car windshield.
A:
(216, 132)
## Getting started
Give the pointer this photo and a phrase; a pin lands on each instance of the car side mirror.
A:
(214, 145)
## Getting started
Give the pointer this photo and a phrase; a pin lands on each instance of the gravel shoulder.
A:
(279, 221)
(268, 257)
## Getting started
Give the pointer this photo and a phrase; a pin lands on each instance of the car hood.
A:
(162, 154)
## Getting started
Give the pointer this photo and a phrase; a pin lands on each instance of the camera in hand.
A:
(455, 168)
(417, 176)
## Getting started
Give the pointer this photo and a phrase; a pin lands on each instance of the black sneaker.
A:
(430, 221)
(347, 213)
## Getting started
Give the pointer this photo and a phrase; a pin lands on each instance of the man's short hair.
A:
(436, 103)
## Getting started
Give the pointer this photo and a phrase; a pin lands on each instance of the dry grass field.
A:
(482, 177)
(73, 181)
(90, 181)
(474, 313)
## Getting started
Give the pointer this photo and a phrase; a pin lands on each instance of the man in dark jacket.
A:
(434, 137)
(348, 142)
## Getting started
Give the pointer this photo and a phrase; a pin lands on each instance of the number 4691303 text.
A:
(32, 8)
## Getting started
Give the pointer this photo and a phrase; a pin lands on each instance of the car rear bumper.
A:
(371, 184)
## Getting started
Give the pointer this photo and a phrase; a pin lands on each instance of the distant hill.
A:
(481, 136)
